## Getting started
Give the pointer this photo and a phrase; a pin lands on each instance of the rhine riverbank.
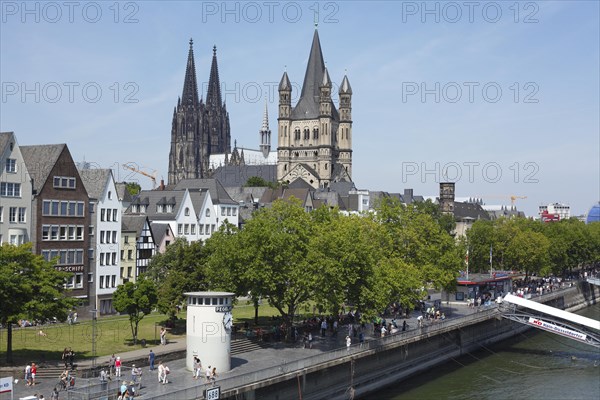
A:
(329, 370)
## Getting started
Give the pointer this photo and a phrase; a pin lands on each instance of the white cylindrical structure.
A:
(208, 329)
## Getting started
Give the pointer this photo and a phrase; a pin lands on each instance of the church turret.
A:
(265, 134)
(345, 127)
(325, 95)
(285, 96)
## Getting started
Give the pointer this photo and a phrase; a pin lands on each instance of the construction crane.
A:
(512, 197)
(151, 176)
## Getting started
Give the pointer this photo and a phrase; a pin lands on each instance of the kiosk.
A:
(209, 323)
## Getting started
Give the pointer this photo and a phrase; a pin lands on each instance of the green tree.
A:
(273, 256)
(180, 269)
(136, 299)
(257, 181)
(419, 240)
(30, 288)
(133, 188)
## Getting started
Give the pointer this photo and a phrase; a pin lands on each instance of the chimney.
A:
(162, 185)
(447, 197)
(408, 196)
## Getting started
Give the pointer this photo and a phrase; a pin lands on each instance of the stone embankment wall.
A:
(383, 362)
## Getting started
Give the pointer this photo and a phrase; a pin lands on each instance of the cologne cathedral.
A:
(200, 128)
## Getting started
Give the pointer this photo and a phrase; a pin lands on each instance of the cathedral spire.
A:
(190, 86)
(308, 105)
(265, 134)
(265, 121)
(213, 96)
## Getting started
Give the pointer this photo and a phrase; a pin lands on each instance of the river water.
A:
(534, 365)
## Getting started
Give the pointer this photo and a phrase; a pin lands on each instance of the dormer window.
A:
(143, 208)
(169, 208)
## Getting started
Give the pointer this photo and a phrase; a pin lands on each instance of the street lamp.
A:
(94, 311)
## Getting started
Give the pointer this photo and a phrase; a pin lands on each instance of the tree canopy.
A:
(290, 257)
(31, 288)
(136, 299)
(534, 247)
(180, 269)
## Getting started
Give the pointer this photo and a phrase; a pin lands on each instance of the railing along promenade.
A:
(295, 367)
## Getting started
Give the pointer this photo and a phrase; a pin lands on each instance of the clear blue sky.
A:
(473, 89)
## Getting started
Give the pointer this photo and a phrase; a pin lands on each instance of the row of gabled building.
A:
(95, 230)
(90, 225)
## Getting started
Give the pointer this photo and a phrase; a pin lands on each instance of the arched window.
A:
(207, 213)
(187, 211)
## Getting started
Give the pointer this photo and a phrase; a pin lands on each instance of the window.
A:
(122, 255)
(114, 258)
(91, 205)
(62, 232)
(109, 195)
(45, 232)
(102, 214)
(234, 211)
(79, 233)
(187, 211)
(12, 214)
(180, 229)
(9, 189)
(114, 212)
(193, 229)
(101, 236)
(222, 211)
(201, 229)
(113, 281)
(78, 281)
(1, 216)
(207, 213)
(64, 182)
(130, 254)
(11, 165)
(101, 258)
(169, 208)
(228, 211)
(90, 277)
(212, 228)
(101, 283)
(114, 236)
(186, 229)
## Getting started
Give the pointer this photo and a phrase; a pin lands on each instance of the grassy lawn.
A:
(113, 334)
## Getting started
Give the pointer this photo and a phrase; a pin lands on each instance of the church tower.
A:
(198, 129)
(314, 141)
(219, 135)
(185, 158)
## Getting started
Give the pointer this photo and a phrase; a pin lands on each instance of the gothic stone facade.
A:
(199, 128)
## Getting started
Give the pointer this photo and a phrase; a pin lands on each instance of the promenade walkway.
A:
(272, 358)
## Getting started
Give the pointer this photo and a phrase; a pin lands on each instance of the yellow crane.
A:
(512, 197)
(139, 171)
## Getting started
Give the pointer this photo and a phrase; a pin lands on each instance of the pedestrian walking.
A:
(197, 367)
(118, 367)
(163, 371)
(111, 365)
(213, 375)
(163, 336)
(151, 360)
(208, 374)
